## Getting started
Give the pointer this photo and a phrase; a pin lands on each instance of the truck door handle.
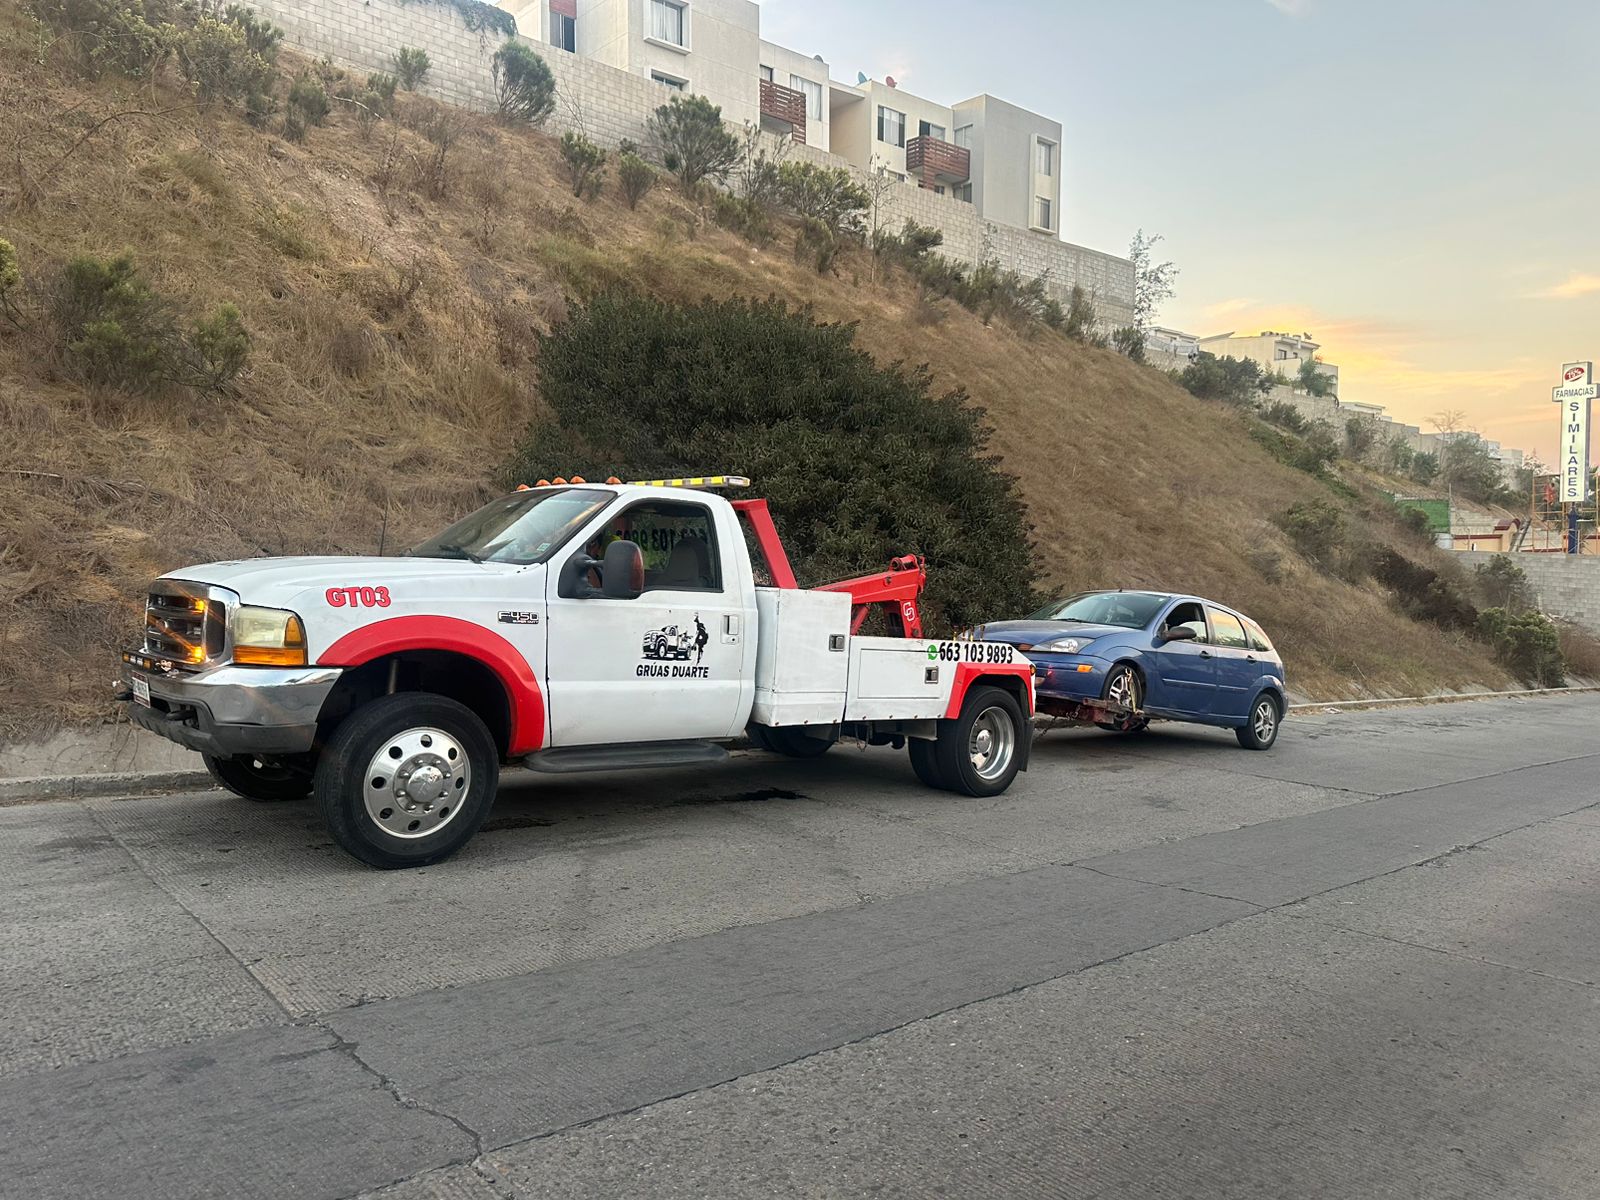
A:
(730, 627)
(1205, 654)
(1249, 658)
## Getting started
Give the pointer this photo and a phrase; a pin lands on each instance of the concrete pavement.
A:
(1361, 965)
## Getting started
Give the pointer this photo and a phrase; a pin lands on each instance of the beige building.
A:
(1279, 353)
(1003, 160)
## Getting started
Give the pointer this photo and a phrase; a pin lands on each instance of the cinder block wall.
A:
(608, 105)
(1564, 585)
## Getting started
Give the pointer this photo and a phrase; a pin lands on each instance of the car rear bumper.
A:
(229, 710)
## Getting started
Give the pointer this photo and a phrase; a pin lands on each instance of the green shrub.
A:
(1317, 530)
(1129, 342)
(1238, 381)
(910, 247)
(635, 177)
(524, 86)
(114, 330)
(1082, 320)
(307, 104)
(1527, 643)
(742, 215)
(1285, 415)
(10, 282)
(694, 142)
(411, 67)
(1423, 593)
(817, 245)
(860, 462)
(1503, 584)
(231, 59)
(131, 37)
(586, 165)
(829, 195)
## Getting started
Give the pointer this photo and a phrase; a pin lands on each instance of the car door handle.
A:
(1205, 654)
(1250, 658)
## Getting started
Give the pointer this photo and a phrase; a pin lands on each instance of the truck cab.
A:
(565, 627)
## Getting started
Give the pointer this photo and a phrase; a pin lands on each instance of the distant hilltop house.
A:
(1276, 353)
(985, 173)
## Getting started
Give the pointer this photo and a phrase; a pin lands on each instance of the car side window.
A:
(678, 540)
(1230, 632)
(1190, 616)
(1258, 637)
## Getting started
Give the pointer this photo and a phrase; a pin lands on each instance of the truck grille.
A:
(183, 625)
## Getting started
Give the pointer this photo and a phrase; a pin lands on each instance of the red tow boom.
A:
(897, 589)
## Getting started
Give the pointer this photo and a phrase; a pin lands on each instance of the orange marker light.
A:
(579, 479)
(559, 480)
(522, 487)
(543, 483)
(613, 480)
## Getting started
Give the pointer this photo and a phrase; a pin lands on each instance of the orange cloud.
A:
(1577, 284)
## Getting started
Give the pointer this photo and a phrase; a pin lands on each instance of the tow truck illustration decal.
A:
(677, 643)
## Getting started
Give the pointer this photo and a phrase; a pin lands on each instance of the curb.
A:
(82, 787)
(1419, 701)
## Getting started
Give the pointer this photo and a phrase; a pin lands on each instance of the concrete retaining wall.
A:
(608, 105)
(1564, 585)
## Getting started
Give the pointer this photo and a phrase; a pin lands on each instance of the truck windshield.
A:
(522, 528)
(1132, 610)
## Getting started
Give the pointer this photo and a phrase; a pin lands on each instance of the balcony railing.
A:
(930, 159)
(784, 106)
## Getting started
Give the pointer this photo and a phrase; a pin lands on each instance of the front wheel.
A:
(1262, 729)
(407, 780)
(980, 752)
(254, 778)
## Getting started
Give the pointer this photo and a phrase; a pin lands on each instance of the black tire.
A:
(407, 721)
(758, 737)
(1266, 718)
(245, 775)
(954, 751)
(925, 762)
(796, 743)
(1136, 725)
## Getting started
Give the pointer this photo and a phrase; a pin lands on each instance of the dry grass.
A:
(393, 371)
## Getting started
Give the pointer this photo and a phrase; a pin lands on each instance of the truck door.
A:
(667, 665)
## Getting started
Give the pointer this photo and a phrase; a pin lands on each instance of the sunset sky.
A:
(1413, 182)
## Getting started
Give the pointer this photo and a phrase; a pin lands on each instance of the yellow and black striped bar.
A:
(698, 481)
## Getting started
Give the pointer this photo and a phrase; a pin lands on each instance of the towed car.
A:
(1120, 659)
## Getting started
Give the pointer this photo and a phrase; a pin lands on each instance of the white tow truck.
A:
(567, 627)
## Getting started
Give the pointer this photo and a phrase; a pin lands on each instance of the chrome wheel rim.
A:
(992, 743)
(1124, 689)
(417, 782)
(1266, 721)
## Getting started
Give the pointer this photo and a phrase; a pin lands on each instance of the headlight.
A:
(1069, 645)
(268, 637)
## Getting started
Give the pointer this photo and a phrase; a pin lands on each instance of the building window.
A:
(667, 21)
(891, 126)
(813, 94)
(964, 136)
(564, 32)
(1045, 158)
(929, 129)
(766, 73)
(677, 85)
(1044, 214)
(938, 189)
(963, 193)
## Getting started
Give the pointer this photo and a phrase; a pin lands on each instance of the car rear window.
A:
(1258, 639)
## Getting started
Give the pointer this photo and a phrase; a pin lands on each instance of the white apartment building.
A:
(1279, 353)
(1002, 159)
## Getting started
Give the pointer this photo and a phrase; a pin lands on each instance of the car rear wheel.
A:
(407, 780)
(254, 778)
(1262, 730)
(980, 752)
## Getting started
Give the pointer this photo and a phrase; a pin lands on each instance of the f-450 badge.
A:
(519, 618)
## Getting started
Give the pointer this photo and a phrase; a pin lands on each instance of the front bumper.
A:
(227, 710)
(1063, 677)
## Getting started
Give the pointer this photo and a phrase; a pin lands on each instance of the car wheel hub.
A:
(1266, 720)
(416, 782)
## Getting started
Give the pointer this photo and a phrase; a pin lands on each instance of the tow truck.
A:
(395, 689)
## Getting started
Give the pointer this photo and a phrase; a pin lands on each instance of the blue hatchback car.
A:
(1148, 655)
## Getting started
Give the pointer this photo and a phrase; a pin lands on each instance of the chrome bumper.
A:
(227, 710)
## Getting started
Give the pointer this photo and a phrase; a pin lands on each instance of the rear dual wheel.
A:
(979, 752)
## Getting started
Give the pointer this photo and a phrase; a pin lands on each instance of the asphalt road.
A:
(1363, 965)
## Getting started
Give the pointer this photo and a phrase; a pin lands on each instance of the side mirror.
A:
(1178, 633)
(622, 571)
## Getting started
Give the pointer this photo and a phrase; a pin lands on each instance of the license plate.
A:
(141, 690)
